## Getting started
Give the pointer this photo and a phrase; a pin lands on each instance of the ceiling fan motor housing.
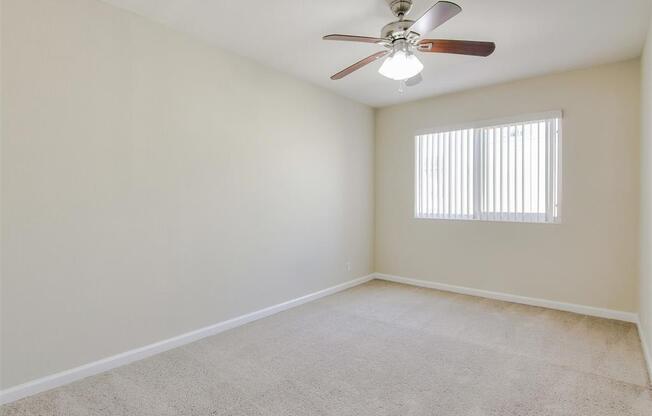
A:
(398, 30)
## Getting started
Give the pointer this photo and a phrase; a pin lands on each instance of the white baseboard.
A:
(647, 352)
(550, 304)
(59, 379)
(568, 307)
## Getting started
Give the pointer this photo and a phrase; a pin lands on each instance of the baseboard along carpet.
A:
(381, 348)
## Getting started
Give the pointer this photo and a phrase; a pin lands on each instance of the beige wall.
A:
(646, 195)
(589, 259)
(152, 185)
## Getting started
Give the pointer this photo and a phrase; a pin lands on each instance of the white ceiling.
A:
(532, 36)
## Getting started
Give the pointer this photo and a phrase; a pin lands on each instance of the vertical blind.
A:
(508, 171)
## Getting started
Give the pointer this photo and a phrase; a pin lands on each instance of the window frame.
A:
(477, 126)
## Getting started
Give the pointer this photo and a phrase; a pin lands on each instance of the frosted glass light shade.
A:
(401, 65)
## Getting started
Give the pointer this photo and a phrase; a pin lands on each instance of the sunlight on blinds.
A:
(507, 172)
(445, 174)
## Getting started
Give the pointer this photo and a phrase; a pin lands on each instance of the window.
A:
(496, 171)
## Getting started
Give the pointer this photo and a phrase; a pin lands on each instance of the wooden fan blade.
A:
(359, 64)
(460, 47)
(437, 15)
(353, 38)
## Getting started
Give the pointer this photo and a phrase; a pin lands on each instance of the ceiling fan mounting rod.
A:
(400, 8)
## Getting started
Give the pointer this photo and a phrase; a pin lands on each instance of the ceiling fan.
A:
(402, 38)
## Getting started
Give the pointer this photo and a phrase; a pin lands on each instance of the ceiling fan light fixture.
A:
(401, 63)
(402, 38)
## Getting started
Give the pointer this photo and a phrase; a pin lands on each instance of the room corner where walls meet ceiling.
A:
(548, 38)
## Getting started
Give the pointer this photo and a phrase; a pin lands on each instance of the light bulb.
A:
(401, 63)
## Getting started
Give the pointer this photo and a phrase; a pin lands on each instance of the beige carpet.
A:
(381, 349)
